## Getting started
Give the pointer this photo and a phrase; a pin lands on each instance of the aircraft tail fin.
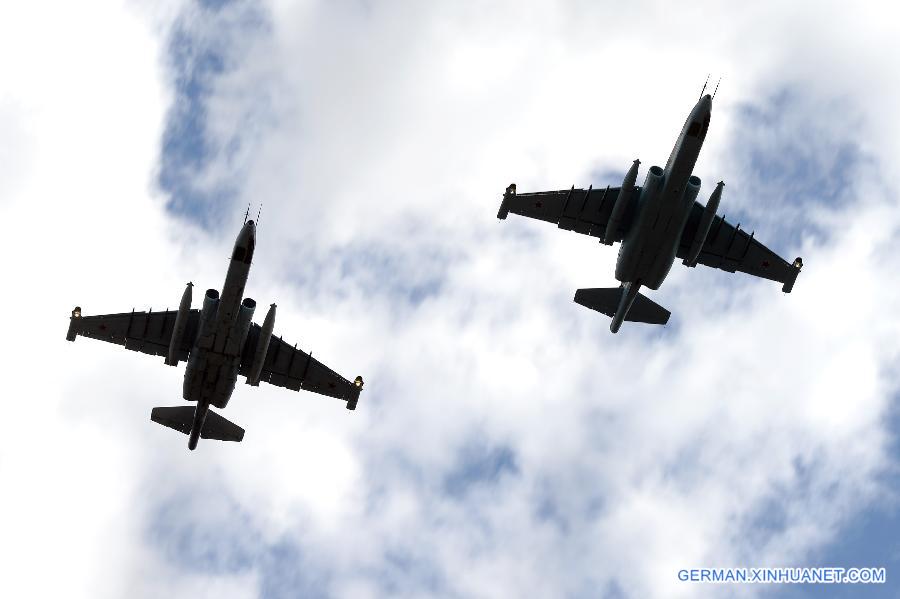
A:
(181, 418)
(606, 301)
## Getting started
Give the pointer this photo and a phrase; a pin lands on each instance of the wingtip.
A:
(504, 205)
(354, 393)
(789, 284)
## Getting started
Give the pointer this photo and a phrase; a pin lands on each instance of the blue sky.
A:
(506, 444)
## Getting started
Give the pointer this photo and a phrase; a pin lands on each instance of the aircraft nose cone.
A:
(249, 230)
(703, 107)
(247, 235)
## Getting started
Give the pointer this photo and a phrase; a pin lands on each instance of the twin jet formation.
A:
(655, 223)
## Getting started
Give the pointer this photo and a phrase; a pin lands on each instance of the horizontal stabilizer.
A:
(179, 418)
(606, 300)
(220, 429)
(182, 417)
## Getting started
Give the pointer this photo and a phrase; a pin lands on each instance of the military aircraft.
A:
(219, 342)
(655, 223)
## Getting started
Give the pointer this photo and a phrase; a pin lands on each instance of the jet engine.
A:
(181, 319)
(209, 311)
(262, 347)
(690, 191)
(705, 223)
(654, 180)
(618, 211)
(244, 319)
(653, 184)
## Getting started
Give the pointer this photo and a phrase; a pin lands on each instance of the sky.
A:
(505, 444)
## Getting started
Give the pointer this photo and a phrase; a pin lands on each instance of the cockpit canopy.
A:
(244, 254)
(698, 131)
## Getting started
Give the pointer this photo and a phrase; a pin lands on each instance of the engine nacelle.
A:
(704, 225)
(691, 190)
(618, 211)
(653, 182)
(181, 319)
(242, 325)
(628, 257)
(262, 347)
(208, 312)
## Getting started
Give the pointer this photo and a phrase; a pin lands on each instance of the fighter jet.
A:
(656, 223)
(219, 342)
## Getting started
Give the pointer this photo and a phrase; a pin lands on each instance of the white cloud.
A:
(745, 433)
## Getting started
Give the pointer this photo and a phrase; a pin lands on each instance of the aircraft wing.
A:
(584, 211)
(292, 368)
(146, 332)
(730, 249)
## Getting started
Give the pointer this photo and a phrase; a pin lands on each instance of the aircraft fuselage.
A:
(648, 250)
(215, 359)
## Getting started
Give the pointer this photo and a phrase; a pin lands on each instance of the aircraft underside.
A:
(655, 223)
(219, 342)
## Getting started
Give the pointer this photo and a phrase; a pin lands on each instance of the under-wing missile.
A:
(262, 347)
(180, 324)
(705, 223)
(618, 210)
